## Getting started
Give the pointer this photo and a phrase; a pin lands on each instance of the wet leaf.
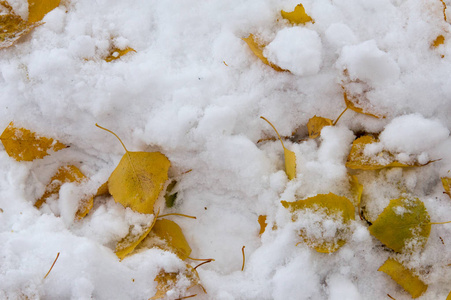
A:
(138, 179)
(168, 281)
(257, 49)
(353, 104)
(133, 238)
(403, 225)
(25, 145)
(12, 26)
(404, 277)
(167, 235)
(298, 16)
(446, 182)
(316, 124)
(335, 207)
(117, 53)
(263, 224)
(37, 9)
(290, 157)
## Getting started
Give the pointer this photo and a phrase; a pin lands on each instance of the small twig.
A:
(58, 255)
(176, 214)
(244, 258)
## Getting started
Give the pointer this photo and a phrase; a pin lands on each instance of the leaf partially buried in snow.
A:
(403, 225)
(359, 161)
(336, 208)
(263, 224)
(37, 9)
(167, 235)
(175, 282)
(404, 277)
(316, 124)
(133, 238)
(64, 175)
(298, 16)
(25, 145)
(290, 157)
(138, 179)
(353, 104)
(257, 49)
(12, 26)
(117, 53)
(446, 182)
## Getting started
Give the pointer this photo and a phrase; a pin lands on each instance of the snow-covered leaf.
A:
(168, 282)
(37, 9)
(117, 53)
(257, 49)
(316, 124)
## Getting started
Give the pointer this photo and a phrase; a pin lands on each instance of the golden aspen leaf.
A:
(334, 207)
(449, 296)
(168, 281)
(446, 182)
(440, 40)
(298, 16)
(403, 225)
(167, 235)
(356, 188)
(37, 9)
(263, 224)
(257, 49)
(102, 190)
(64, 175)
(353, 104)
(117, 53)
(133, 238)
(12, 26)
(290, 157)
(404, 277)
(316, 124)
(22, 144)
(138, 179)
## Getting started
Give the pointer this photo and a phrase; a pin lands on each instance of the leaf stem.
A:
(202, 259)
(335, 122)
(280, 139)
(58, 255)
(176, 214)
(438, 223)
(244, 258)
(114, 135)
(205, 262)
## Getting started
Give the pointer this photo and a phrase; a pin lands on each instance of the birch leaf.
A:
(290, 157)
(298, 16)
(336, 207)
(168, 281)
(263, 224)
(404, 277)
(316, 124)
(353, 104)
(257, 49)
(403, 225)
(446, 182)
(37, 9)
(117, 53)
(138, 179)
(24, 145)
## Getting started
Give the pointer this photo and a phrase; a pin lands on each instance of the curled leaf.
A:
(37, 9)
(337, 208)
(24, 145)
(316, 124)
(403, 225)
(263, 224)
(133, 238)
(404, 277)
(117, 53)
(169, 281)
(297, 16)
(257, 49)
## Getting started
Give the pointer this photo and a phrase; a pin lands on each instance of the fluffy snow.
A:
(195, 91)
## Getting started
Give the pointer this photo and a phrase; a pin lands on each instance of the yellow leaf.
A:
(352, 103)
(102, 190)
(404, 277)
(263, 224)
(64, 175)
(316, 124)
(138, 179)
(37, 9)
(356, 189)
(449, 296)
(134, 237)
(257, 49)
(12, 26)
(298, 16)
(168, 281)
(22, 144)
(402, 225)
(117, 53)
(290, 157)
(338, 208)
(446, 182)
(359, 161)
(167, 235)
(440, 40)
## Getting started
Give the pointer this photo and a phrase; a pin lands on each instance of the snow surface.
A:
(195, 91)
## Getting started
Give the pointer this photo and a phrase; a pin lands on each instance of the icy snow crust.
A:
(195, 91)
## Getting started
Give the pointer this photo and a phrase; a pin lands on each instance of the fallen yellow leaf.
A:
(338, 208)
(257, 49)
(446, 182)
(316, 124)
(440, 40)
(133, 238)
(37, 9)
(403, 224)
(263, 224)
(117, 53)
(138, 179)
(353, 104)
(168, 281)
(404, 277)
(298, 16)
(22, 144)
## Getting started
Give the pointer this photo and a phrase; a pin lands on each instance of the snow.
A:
(194, 91)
